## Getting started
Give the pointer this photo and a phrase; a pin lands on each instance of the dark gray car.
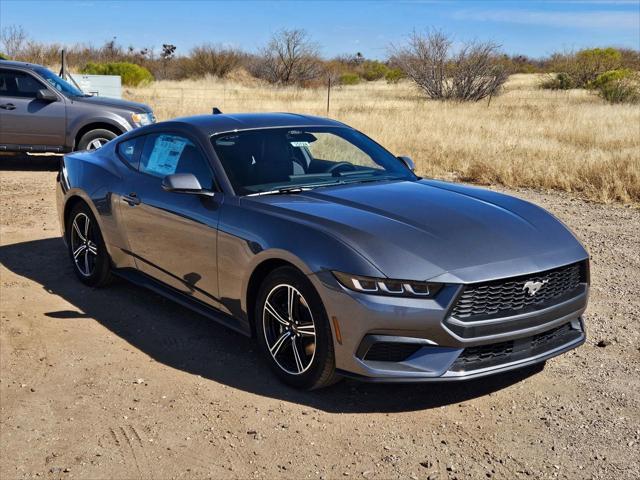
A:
(41, 112)
(328, 249)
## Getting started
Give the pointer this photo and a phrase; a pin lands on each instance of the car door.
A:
(173, 236)
(26, 120)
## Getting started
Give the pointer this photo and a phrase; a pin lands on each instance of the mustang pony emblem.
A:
(533, 287)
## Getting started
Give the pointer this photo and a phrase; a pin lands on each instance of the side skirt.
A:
(171, 293)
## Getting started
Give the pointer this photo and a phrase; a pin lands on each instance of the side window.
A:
(128, 152)
(18, 84)
(5, 81)
(165, 154)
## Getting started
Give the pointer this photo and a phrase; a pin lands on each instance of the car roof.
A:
(219, 123)
(12, 63)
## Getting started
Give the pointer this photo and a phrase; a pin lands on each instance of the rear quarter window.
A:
(128, 152)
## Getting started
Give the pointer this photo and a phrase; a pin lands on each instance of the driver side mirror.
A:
(408, 163)
(46, 95)
(184, 183)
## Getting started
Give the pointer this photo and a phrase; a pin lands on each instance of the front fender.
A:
(76, 123)
(247, 238)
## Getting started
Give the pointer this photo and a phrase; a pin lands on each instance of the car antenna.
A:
(216, 111)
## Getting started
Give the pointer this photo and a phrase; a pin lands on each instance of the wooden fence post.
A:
(328, 94)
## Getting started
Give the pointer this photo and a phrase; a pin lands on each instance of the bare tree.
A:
(13, 39)
(472, 73)
(168, 52)
(289, 58)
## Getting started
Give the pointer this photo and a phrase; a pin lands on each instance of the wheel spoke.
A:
(77, 229)
(86, 227)
(276, 346)
(274, 313)
(93, 248)
(86, 262)
(290, 298)
(78, 251)
(296, 355)
(308, 330)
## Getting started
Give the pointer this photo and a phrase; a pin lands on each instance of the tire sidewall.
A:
(324, 339)
(91, 135)
(103, 263)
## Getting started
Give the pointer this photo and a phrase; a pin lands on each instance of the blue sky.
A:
(534, 28)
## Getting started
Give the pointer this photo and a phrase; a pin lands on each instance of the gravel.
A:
(120, 383)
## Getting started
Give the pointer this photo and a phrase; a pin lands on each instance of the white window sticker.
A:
(299, 144)
(165, 155)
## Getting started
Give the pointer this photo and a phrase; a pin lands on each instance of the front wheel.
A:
(87, 250)
(293, 331)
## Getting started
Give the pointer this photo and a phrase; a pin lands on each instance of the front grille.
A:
(475, 358)
(487, 353)
(508, 297)
(541, 340)
(391, 351)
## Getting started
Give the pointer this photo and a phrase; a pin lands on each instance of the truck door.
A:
(26, 120)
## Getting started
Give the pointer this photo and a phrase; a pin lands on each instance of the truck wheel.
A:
(94, 139)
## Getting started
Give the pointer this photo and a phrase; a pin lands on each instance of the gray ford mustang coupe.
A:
(308, 235)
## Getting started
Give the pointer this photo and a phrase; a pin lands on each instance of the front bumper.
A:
(420, 344)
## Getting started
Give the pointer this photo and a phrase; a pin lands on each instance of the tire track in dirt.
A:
(126, 440)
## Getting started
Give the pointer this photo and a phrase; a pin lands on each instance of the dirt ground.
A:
(120, 383)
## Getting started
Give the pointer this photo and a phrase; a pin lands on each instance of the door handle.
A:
(8, 106)
(132, 199)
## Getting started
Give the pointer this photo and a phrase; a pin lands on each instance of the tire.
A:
(91, 262)
(314, 364)
(90, 140)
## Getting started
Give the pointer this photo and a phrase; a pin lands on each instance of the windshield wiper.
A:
(294, 189)
(371, 179)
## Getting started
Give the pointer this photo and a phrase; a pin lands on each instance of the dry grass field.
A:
(121, 383)
(527, 137)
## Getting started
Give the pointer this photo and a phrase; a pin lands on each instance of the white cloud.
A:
(599, 19)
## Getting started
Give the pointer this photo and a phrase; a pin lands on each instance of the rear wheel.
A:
(91, 261)
(94, 139)
(293, 331)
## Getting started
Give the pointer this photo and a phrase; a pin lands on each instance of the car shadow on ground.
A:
(181, 339)
(29, 163)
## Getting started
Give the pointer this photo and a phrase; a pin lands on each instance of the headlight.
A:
(387, 286)
(142, 119)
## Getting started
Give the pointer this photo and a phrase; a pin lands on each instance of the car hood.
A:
(114, 103)
(430, 230)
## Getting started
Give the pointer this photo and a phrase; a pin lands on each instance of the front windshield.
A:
(59, 84)
(280, 159)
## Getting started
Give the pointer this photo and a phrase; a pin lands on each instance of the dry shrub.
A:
(472, 73)
(241, 76)
(580, 69)
(618, 86)
(211, 60)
